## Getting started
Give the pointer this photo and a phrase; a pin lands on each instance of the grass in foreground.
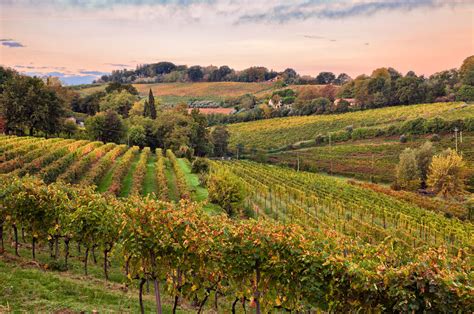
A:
(27, 286)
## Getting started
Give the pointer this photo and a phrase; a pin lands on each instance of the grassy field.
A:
(279, 132)
(31, 286)
(183, 92)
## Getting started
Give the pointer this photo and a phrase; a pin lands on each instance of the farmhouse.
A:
(352, 101)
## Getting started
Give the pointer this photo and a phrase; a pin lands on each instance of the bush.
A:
(364, 133)
(200, 165)
(340, 136)
(435, 138)
(227, 191)
(415, 126)
(447, 174)
(403, 138)
(320, 139)
(436, 125)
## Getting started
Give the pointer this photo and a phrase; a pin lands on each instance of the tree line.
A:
(383, 88)
(167, 72)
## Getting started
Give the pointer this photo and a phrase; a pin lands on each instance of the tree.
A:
(137, 136)
(195, 73)
(26, 103)
(200, 138)
(220, 138)
(408, 175)
(226, 190)
(466, 71)
(106, 127)
(119, 101)
(447, 174)
(151, 102)
(423, 159)
(118, 87)
(465, 93)
(342, 79)
(325, 78)
(69, 127)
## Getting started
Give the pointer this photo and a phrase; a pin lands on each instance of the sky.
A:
(80, 40)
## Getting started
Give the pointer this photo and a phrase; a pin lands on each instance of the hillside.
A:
(373, 159)
(279, 132)
(302, 225)
(173, 93)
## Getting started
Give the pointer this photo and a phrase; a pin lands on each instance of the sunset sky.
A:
(79, 40)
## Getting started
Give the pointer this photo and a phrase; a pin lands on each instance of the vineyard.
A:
(280, 132)
(321, 202)
(112, 168)
(365, 159)
(316, 242)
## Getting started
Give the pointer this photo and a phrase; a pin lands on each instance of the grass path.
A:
(128, 180)
(149, 183)
(106, 180)
(173, 194)
(198, 193)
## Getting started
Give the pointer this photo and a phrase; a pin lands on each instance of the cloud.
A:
(11, 43)
(121, 65)
(319, 37)
(96, 73)
(319, 9)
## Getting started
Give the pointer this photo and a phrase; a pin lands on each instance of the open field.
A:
(183, 92)
(279, 132)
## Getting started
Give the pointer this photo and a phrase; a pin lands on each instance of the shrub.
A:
(415, 126)
(447, 174)
(403, 138)
(364, 133)
(435, 125)
(227, 191)
(435, 138)
(408, 175)
(200, 165)
(469, 124)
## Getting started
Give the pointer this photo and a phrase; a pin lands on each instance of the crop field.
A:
(374, 159)
(280, 132)
(322, 202)
(112, 168)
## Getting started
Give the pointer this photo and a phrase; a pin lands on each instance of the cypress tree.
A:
(151, 105)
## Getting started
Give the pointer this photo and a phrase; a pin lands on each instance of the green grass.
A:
(149, 183)
(27, 286)
(173, 194)
(198, 193)
(106, 180)
(128, 179)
